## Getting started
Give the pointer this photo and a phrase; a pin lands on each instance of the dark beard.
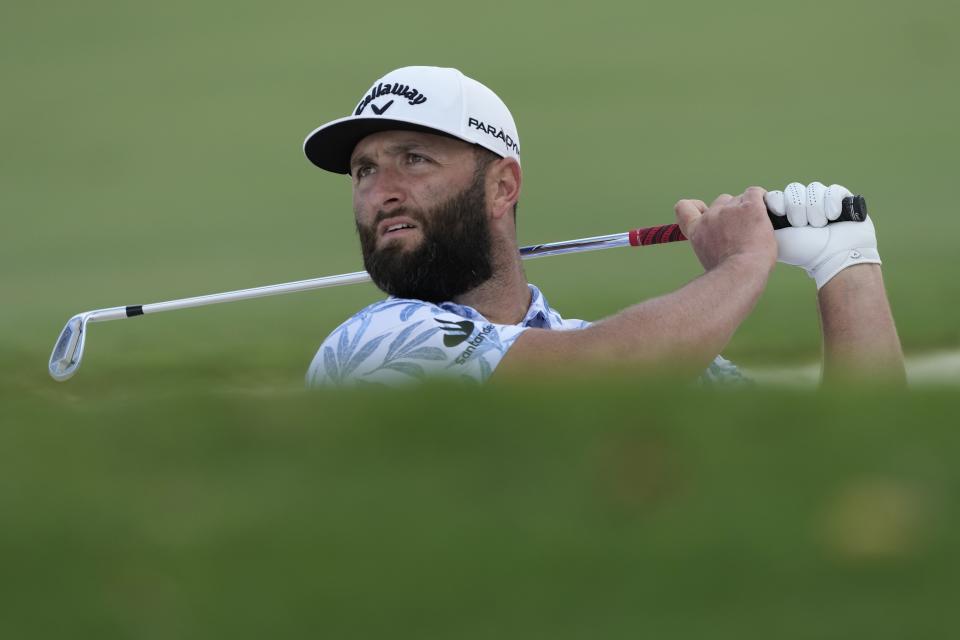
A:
(454, 256)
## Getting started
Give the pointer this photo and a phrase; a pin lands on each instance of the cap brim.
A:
(330, 146)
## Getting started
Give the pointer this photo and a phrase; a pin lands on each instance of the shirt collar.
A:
(539, 315)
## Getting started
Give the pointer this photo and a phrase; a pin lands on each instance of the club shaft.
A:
(580, 245)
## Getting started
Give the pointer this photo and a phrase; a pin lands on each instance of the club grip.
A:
(852, 209)
(655, 235)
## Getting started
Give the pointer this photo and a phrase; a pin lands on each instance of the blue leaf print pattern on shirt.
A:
(401, 351)
(347, 358)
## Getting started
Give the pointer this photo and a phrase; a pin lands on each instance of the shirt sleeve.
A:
(723, 373)
(402, 341)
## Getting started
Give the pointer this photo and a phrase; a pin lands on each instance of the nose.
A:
(388, 191)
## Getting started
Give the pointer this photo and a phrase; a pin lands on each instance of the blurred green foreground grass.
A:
(594, 509)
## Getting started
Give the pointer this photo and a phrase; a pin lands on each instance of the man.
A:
(434, 158)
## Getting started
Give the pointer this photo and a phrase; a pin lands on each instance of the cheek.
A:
(361, 213)
(435, 191)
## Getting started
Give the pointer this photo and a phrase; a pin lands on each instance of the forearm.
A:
(682, 331)
(859, 335)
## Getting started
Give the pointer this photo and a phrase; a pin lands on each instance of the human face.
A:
(415, 246)
(398, 172)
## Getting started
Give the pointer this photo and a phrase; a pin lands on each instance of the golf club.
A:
(68, 350)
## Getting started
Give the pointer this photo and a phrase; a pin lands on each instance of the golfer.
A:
(435, 163)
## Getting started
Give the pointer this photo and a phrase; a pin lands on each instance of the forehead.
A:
(396, 141)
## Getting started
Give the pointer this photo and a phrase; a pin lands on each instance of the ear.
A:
(503, 186)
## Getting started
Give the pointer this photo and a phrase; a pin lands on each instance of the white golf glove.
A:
(823, 250)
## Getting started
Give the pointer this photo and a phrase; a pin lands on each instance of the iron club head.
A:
(67, 352)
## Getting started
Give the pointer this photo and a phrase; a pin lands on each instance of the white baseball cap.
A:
(429, 99)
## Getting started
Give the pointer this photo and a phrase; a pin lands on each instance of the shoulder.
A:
(369, 338)
(394, 310)
(397, 341)
(383, 317)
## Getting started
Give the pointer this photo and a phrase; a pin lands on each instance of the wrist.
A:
(849, 284)
(826, 269)
(748, 270)
(753, 262)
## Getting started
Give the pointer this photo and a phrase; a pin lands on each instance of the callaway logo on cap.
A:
(429, 99)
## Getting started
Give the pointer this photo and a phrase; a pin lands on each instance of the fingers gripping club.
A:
(852, 209)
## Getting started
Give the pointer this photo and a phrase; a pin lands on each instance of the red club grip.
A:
(656, 235)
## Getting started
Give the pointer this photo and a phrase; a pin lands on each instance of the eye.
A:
(415, 158)
(362, 171)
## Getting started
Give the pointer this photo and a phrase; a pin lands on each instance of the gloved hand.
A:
(822, 250)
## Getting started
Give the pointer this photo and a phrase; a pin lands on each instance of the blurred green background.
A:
(184, 485)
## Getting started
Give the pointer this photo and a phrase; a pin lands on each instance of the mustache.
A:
(413, 214)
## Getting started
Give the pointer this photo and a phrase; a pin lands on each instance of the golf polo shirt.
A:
(397, 341)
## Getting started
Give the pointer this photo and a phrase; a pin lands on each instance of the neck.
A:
(504, 298)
